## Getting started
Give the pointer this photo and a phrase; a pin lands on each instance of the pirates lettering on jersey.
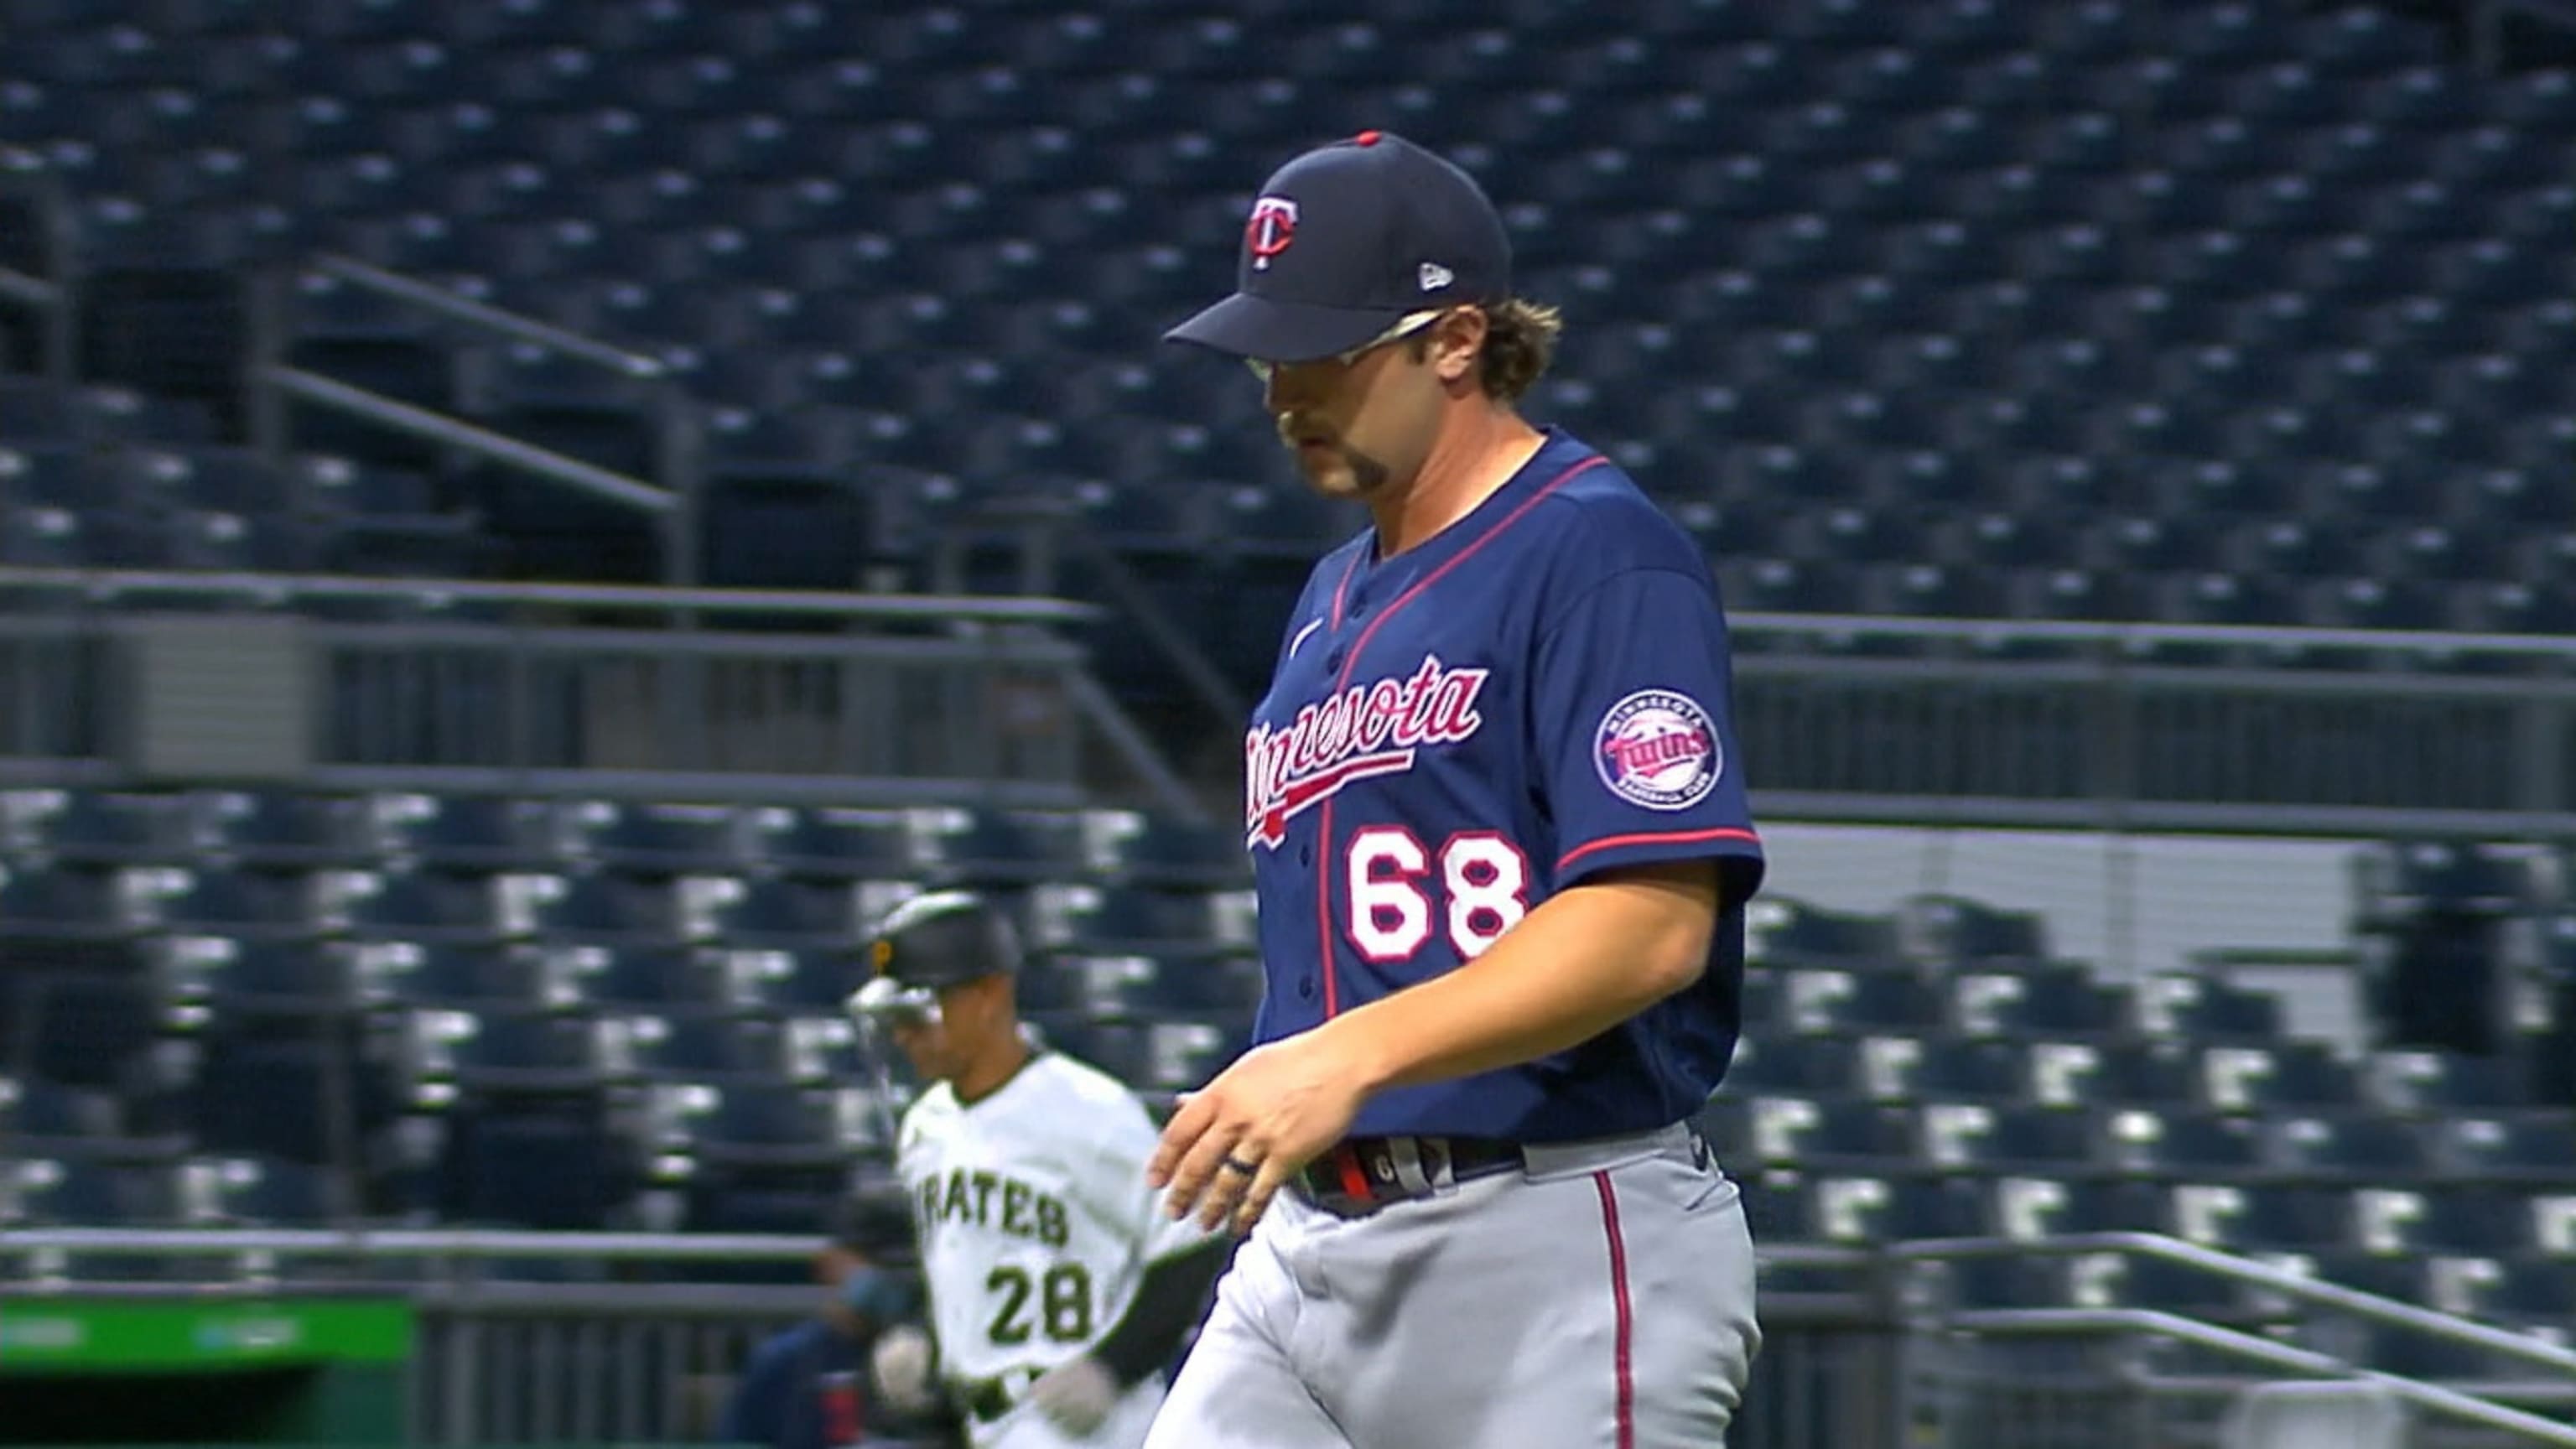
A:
(1364, 731)
(983, 1198)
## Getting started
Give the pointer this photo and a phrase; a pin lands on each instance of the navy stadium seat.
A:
(413, 905)
(84, 827)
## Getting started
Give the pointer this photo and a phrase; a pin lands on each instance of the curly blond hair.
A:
(1520, 340)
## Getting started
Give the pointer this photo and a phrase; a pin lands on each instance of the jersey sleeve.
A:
(1117, 1180)
(1630, 703)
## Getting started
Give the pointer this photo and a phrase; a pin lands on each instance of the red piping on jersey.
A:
(1623, 1311)
(1351, 661)
(1324, 847)
(1654, 837)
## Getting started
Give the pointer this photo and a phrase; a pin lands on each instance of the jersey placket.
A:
(1412, 577)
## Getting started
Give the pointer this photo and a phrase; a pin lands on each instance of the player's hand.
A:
(904, 1366)
(1076, 1395)
(1232, 1144)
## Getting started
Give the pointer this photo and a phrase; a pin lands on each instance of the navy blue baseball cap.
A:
(1348, 240)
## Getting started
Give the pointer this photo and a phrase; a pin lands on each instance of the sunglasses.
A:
(1412, 323)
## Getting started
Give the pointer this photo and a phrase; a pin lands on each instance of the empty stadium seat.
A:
(309, 1097)
(440, 907)
(256, 1191)
(2358, 1150)
(772, 914)
(841, 846)
(550, 1168)
(594, 909)
(55, 905)
(783, 1127)
(2050, 1001)
(646, 976)
(815, 981)
(47, 1192)
(461, 976)
(464, 832)
(1816, 1001)
(655, 839)
(239, 903)
(271, 829)
(1160, 852)
(82, 827)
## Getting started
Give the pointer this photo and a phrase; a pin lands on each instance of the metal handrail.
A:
(676, 423)
(2080, 631)
(918, 608)
(437, 427)
(2053, 1321)
(2446, 1326)
(2188, 817)
(34, 292)
(1135, 750)
(488, 317)
(477, 1244)
(459, 1243)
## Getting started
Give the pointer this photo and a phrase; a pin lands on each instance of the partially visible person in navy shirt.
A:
(807, 1387)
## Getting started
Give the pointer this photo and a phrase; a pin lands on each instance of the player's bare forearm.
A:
(1578, 964)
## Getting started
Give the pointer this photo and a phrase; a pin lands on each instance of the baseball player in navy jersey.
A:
(1502, 850)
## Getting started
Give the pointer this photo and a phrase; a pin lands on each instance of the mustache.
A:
(1367, 474)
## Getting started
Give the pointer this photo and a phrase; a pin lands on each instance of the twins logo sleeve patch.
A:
(1659, 749)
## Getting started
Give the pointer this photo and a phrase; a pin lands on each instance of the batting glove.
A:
(904, 1365)
(1076, 1396)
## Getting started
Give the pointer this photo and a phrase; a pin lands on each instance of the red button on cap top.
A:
(1366, 138)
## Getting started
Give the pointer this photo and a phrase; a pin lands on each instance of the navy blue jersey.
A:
(1453, 735)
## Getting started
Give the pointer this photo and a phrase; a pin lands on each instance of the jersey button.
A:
(1305, 855)
(1306, 989)
(1333, 660)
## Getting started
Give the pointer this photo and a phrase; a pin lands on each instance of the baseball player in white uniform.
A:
(1058, 1288)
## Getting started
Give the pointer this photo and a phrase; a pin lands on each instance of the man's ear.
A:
(982, 997)
(1458, 344)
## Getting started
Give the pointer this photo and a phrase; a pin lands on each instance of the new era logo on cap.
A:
(1345, 241)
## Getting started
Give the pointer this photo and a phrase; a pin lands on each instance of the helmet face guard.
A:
(880, 1009)
(886, 1004)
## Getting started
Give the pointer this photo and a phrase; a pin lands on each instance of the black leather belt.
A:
(1359, 1175)
(988, 1399)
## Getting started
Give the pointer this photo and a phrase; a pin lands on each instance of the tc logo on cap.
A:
(1272, 227)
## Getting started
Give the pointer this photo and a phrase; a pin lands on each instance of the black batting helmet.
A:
(935, 939)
